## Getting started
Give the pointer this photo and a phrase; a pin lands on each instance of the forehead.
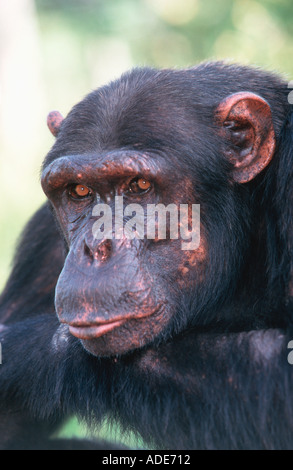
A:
(139, 103)
(144, 110)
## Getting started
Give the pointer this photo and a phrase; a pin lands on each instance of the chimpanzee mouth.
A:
(91, 331)
(94, 331)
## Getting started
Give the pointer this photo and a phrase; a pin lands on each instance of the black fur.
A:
(218, 376)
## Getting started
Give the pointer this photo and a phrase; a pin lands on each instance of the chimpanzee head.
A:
(158, 147)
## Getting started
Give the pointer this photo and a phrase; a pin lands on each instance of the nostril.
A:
(103, 250)
(99, 251)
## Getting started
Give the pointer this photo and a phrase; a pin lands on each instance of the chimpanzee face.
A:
(126, 179)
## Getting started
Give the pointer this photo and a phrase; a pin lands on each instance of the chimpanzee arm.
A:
(228, 391)
(219, 391)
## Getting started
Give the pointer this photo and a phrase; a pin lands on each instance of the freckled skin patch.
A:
(192, 262)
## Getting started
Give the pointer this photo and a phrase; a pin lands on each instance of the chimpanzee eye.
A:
(139, 186)
(79, 191)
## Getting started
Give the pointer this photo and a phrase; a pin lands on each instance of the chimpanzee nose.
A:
(99, 250)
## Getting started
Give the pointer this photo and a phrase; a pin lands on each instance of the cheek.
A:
(192, 264)
(172, 267)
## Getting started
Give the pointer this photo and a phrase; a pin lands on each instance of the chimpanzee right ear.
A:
(247, 121)
(54, 121)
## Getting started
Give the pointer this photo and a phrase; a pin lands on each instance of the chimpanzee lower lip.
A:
(94, 331)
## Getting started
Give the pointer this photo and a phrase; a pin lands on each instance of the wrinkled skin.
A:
(138, 303)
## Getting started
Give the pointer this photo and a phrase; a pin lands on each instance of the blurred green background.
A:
(53, 52)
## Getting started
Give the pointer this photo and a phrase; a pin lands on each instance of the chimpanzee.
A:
(186, 346)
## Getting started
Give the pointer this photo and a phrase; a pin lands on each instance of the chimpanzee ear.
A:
(246, 119)
(54, 121)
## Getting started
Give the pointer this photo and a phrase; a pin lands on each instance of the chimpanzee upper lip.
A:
(94, 330)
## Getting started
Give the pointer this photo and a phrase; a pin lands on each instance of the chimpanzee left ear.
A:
(247, 120)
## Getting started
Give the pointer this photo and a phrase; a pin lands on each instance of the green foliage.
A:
(175, 33)
(111, 433)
